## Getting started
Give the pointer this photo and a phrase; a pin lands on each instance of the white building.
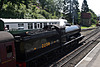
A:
(27, 24)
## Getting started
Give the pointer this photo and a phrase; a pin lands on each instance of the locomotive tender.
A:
(25, 47)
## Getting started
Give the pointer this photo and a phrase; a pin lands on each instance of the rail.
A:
(88, 40)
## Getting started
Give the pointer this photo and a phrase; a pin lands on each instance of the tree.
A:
(75, 11)
(52, 6)
(71, 10)
(85, 7)
(93, 17)
(1, 4)
(43, 3)
(58, 7)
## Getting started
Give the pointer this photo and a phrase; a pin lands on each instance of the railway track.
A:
(87, 41)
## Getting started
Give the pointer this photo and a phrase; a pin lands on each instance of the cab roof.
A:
(5, 36)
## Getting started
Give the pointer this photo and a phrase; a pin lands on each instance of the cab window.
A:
(9, 51)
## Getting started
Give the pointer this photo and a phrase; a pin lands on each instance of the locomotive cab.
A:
(7, 50)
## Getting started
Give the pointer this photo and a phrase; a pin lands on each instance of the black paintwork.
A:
(29, 46)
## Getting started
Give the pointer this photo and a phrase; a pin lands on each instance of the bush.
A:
(39, 16)
(19, 10)
(54, 17)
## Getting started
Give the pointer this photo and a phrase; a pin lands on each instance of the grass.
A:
(92, 26)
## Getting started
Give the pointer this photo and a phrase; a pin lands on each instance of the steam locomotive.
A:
(22, 49)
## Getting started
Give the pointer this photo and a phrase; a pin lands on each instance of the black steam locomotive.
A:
(31, 45)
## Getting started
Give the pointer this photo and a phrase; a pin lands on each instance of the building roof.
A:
(32, 20)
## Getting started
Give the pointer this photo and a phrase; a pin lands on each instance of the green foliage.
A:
(39, 16)
(85, 7)
(43, 3)
(45, 14)
(93, 17)
(21, 10)
(71, 10)
(79, 17)
(54, 17)
(46, 9)
(8, 11)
